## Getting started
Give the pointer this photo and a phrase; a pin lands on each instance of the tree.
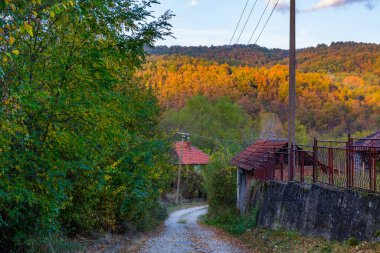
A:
(271, 126)
(212, 124)
(265, 89)
(80, 149)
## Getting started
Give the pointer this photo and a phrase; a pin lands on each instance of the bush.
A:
(192, 185)
(220, 178)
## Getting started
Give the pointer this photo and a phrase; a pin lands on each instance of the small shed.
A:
(189, 179)
(250, 160)
(253, 163)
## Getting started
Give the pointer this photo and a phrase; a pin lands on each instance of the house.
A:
(268, 156)
(186, 154)
(189, 179)
(366, 152)
(372, 140)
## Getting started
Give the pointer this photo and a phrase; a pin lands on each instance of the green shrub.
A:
(231, 221)
(192, 182)
(220, 182)
(352, 241)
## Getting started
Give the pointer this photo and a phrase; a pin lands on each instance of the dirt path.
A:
(182, 234)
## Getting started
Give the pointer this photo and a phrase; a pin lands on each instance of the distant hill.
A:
(336, 58)
(250, 55)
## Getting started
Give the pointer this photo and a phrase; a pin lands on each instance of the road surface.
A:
(182, 234)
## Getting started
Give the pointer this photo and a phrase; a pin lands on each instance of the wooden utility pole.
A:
(183, 135)
(292, 83)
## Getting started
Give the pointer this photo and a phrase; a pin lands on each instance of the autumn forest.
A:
(338, 86)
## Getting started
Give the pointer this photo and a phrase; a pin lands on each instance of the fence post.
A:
(348, 183)
(352, 160)
(315, 160)
(273, 174)
(282, 166)
(331, 165)
(374, 170)
(291, 163)
(302, 166)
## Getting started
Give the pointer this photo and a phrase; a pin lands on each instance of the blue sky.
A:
(212, 22)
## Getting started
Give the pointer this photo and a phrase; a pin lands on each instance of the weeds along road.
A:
(183, 234)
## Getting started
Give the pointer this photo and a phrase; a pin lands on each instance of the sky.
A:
(212, 22)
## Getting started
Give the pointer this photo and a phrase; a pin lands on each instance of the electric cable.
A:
(258, 23)
(237, 26)
(246, 22)
(267, 21)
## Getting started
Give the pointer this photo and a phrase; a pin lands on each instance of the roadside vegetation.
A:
(265, 240)
(81, 150)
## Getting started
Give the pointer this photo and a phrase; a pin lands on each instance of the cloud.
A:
(282, 6)
(323, 4)
(192, 3)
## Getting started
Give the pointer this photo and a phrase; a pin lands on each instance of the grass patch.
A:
(266, 240)
(182, 221)
(230, 221)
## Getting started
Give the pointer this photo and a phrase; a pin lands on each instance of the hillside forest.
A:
(338, 86)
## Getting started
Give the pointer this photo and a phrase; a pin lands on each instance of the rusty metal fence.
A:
(348, 164)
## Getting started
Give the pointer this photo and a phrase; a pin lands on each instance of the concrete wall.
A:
(245, 180)
(317, 210)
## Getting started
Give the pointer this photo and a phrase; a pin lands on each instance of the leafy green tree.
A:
(212, 124)
(80, 149)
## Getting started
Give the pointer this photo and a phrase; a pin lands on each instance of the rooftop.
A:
(372, 140)
(190, 154)
(253, 156)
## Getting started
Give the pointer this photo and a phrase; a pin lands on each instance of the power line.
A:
(267, 21)
(246, 22)
(258, 23)
(237, 26)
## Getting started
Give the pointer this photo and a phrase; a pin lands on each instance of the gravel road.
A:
(182, 234)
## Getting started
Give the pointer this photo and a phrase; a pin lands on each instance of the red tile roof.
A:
(254, 155)
(190, 154)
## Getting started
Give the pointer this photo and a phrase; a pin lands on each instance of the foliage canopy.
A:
(80, 149)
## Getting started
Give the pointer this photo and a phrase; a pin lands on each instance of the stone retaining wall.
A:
(318, 210)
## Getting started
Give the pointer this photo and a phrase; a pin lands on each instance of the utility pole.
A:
(183, 136)
(292, 84)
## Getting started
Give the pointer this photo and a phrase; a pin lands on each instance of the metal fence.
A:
(349, 164)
